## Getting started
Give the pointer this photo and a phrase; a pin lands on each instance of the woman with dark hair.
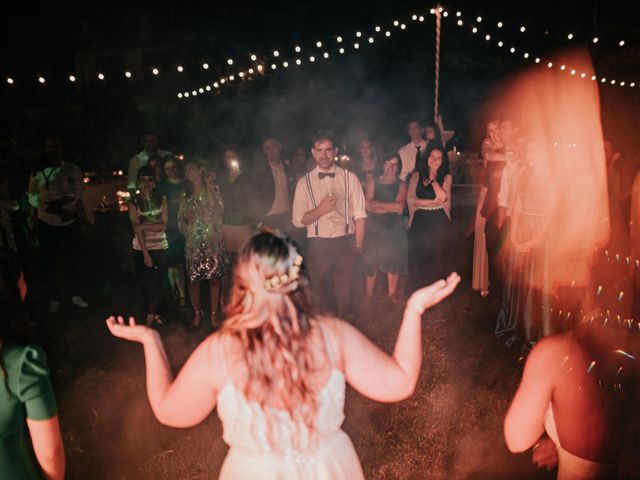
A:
(385, 246)
(149, 217)
(433, 136)
(200, 219)
(28, 413)
(429, 201)
(277, 370)
(368, 162)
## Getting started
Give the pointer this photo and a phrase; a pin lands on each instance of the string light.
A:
(500, 44)
(370, 39)
(377, 29)
(499, 24)
(621, 43)
(358, 34)
(595, 40)
(253, 57)
(312, 59)
(387, 33)
(356, 46)
(180, 68)
(155, 71)
(479, 19)
(186, 94)
(205, 66)
(396, 23)
(179, 95)
(487, 37)
(100, 76)
(208, 88)
(414, 17)
(201, 90)
(298, 62)
(339, 39)
(250, 71)
(445, 14)
(230, 61)
(319, 44)
(72, 78)
(325, 54)
(403, 26)
(297, 49)
(341, 50)
(460, 23)
(570, 36)
(421, 18)
(285, 64)
(126, 74)
(41, 79)
(523, 29)
(458, 14)
(276, 53)
(474, 30)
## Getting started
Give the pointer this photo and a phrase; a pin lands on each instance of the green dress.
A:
(29, 395)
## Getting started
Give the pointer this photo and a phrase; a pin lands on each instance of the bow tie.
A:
(321, 175)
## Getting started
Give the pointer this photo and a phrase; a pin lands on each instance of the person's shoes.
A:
(54, 306)
(78, 301)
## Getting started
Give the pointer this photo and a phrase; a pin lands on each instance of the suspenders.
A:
(346, 198)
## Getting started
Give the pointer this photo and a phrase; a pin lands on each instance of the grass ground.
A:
(451, 428)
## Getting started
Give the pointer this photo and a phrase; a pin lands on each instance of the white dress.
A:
(327, 454)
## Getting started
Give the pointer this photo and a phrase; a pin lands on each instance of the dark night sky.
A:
(51, 32)
(371, 88)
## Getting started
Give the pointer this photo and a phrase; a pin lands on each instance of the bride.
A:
(277, 370)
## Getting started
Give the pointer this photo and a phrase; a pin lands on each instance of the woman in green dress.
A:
(30, 440)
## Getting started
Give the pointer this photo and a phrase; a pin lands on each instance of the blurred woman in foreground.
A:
(581, 387)
(277, 370)
(28, 413)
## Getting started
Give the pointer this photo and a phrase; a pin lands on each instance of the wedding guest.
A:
(367, 162)
(148, 213)
(277, 370)
(429, 202)
(172, 188)
(330, 203)
(235, 187)
(200, 219)
(150, 143)
(580, 387)
(31, 442)
(413, 152)
(385, 246)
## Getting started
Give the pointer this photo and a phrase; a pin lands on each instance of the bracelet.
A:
(415, 308)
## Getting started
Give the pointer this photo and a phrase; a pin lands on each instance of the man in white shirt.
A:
(150, 143)
(416, 148)
(330, 203)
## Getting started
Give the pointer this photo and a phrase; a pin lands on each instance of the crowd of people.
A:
(328, 226)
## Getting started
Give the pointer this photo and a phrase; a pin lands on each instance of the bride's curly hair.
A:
(270, 313)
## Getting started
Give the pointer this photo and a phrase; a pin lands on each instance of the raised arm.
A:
(377, 375)
(186, 400)
(524, 423)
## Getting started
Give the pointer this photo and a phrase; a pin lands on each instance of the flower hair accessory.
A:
(279, 281)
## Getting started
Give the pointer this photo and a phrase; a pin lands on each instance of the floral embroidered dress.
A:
(201, 224)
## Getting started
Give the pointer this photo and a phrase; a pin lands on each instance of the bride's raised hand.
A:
(433, 294)
(128, 331)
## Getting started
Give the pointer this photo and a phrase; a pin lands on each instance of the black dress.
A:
(385, 246)
(427, 239)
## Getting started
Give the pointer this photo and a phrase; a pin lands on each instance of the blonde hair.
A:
(272, 319)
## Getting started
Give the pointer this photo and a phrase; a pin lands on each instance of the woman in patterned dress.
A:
(200, 219)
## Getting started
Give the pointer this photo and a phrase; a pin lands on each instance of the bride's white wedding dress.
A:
(326, 454)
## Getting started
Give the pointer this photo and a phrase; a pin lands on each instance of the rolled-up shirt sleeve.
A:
(301, 203)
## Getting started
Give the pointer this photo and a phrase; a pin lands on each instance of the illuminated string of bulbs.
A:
(343, 45)
(320, 50)
(489, 36)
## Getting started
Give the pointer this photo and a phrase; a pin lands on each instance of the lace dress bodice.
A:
(245, 423)
(271, 446)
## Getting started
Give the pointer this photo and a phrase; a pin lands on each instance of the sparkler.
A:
(591, 365)
(622, 352)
